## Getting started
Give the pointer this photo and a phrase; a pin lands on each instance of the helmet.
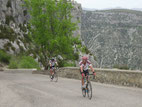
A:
(85, 58)
(52, 59)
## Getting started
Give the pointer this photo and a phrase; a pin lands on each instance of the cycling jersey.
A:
(53, 63)
(85, 66)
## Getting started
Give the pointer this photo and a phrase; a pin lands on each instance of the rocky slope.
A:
(114, 37)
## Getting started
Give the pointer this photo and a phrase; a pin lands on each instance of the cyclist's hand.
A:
(94, 73)
(83, 75)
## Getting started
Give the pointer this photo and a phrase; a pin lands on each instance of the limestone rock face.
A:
(13, 9)
(114, 37)
(13, 25)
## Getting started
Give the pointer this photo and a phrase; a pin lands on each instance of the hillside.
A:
(114, 37)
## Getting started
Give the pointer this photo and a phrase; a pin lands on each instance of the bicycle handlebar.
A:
(93, 76)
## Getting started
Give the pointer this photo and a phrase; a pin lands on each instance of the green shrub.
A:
(75, 40)
(28, 62)
(8, 4)
(7, 33)
(9, 19)
(76, 56)
(23, 62)
(79, 46)
(25, 12)
(4, 57)
(13, 64)
(61, 63)
(85, 50)
(69, 64)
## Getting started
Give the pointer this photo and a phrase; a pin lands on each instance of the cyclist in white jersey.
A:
(85, 64)
(52, 64)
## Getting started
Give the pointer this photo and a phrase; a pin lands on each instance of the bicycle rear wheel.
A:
(89, 90)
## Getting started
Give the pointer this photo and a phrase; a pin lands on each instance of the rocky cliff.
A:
(114, 37)
(13, 26)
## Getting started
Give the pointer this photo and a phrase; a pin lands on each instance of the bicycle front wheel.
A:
(89, 90)
(84, 92)
(55, 76)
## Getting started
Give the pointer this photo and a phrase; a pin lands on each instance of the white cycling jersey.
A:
(85, 66)
(52, 62)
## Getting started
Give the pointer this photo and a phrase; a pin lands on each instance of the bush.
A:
(4, 57)
(76, 56)
(23, 62)
(79, 46)
(65, 63)
(8, 4)
(13, 64)
(61, 63)
(75, 40)
(69, 64)
(28, 62)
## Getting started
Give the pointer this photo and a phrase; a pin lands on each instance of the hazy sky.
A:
(103, 4)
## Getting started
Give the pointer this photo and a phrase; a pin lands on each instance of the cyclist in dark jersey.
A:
(85, 64)
(52, 64)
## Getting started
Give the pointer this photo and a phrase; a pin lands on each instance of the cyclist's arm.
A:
(50, 64)
(56, 63)
(92, 69)
(81, 69)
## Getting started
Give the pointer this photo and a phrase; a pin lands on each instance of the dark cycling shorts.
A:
(52, 67)
(86, 72)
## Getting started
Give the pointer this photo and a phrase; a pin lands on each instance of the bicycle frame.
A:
(88, 77)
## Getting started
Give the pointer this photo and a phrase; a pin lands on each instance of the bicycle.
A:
(88, 87)
(55, 74)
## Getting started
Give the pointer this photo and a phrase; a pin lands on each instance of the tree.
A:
(51, 27)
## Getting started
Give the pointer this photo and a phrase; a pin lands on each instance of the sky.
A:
(105, 4)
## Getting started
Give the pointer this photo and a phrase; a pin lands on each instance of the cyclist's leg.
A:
(82, 79)
(51, 71)
(87, 74)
